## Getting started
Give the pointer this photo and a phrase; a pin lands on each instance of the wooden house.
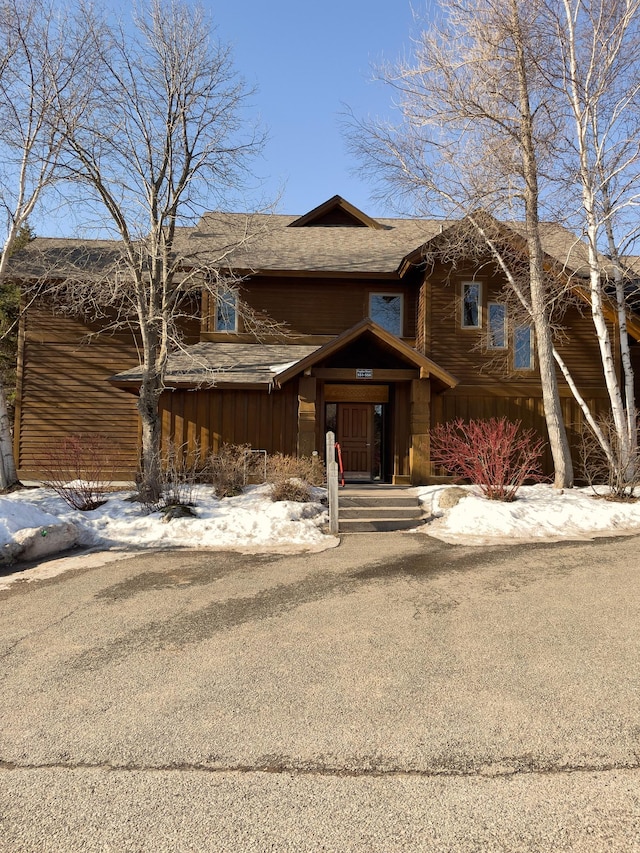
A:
(382, 347)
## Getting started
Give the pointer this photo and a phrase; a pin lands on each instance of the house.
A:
(388, 337)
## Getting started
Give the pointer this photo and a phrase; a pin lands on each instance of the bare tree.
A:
(35, 63)
(161, 137)
(476, 133)
(597, 72)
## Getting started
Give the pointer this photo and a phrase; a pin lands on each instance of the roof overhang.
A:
(428, 369)
(264, 366)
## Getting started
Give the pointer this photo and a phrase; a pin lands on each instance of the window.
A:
(385, 309)
(497, 323)
(471, 305)
(226, 316)
(522, 348)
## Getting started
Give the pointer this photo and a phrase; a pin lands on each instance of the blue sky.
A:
(308, 60)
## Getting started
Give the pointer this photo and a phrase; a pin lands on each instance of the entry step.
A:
(377, 509)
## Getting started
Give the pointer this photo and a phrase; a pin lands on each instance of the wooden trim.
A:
(356, 393)
(17, 414)
(348, 374)
(248, 338)
(367, 325)
(333, 203)
(361, 275)
(519, 390)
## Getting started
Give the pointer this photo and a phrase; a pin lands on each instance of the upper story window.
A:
(522, 348)
(386, 310)
(226, 313)
(497, 325)
(471, 305)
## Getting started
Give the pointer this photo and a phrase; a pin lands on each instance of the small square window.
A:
(497, 323)
(471, 305)
(522, 348)
(226, 316)
(385, 309)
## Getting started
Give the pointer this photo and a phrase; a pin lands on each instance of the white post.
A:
(332, 482)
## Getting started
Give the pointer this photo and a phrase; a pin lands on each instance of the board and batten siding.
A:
(204, 419)
(63, 390)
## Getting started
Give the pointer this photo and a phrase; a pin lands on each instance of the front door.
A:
(355, 432)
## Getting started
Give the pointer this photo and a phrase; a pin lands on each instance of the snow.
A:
(539, 513)
(252, 522)
(249, 520)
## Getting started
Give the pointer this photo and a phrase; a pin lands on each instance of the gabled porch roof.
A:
(427, 367)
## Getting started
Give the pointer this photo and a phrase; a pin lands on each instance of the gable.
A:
(335, 212)
(367, 350)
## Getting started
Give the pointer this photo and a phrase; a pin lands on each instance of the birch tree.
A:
(162, 137)
(598, 74)
(476, 132)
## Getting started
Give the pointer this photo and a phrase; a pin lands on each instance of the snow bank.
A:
(539, 513)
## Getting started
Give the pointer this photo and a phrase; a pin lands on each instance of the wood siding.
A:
(63, 389)
(322, 306)
(206, 419)
(464, 353)
(524, 404)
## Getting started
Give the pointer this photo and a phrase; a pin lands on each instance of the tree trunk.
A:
(8, 473)
(150, 486)
(558, 441)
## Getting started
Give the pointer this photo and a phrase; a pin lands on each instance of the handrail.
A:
(340, 465)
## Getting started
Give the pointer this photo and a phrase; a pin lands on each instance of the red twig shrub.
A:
(80, 469)
(494, 455)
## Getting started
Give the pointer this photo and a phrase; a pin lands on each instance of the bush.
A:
(291, 490)
(80, 469)
(181, 471)
(621, 475)
(492, 454)
(230, 469)
(291, 477)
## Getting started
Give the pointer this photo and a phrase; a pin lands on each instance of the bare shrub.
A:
(291, 477)
(181, 469)
(493, 454)
(291, 490)
(621, 476)
(181, 472)
(80, 469)
(229, 469)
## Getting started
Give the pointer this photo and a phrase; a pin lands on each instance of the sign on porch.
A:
(364, 373)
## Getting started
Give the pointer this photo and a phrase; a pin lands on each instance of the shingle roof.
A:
(269, 365)
(224, 364)
(273, 245)
(276, 242)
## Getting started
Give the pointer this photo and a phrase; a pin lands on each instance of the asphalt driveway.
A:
(392, 694)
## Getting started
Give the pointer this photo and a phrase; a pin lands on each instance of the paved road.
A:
(392, 694)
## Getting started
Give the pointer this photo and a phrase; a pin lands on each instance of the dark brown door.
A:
(355, 430)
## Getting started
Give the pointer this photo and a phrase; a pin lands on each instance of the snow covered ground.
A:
(540, 513)
(253, 522)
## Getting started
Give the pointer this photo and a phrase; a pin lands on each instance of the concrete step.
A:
(377, 509)
(376, 525)
(376, 512)
(359, 501)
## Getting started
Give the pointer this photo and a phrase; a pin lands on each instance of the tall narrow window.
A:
(226, 316)
(471, 305)
(522, 348)
(385, 309)
(497, 322)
